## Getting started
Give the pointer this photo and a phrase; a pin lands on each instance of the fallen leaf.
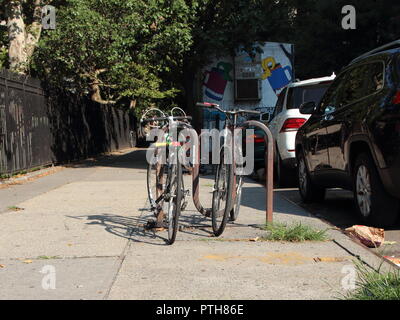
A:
(330, 259)
(14, 208)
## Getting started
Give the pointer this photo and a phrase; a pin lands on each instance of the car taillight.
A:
(257, 138)
(293, 124)
(396, 98)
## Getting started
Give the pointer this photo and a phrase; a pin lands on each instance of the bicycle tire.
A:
(236, 207)
(222, 189)
(174, 204)
(152, 182)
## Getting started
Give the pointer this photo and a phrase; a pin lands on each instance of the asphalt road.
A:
(338, 210)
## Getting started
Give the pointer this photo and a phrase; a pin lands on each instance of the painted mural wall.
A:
(274, 68)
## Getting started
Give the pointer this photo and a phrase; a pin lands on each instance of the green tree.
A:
(221, 26)
(323, 46)
(20, 31)
(116, 50)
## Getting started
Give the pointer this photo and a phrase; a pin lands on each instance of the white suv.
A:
(287, 120)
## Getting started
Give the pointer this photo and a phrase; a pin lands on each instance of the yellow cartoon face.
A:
(268, 64)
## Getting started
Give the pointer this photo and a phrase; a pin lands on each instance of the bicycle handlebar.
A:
(163, 119)
(207, 105)
(217, 107)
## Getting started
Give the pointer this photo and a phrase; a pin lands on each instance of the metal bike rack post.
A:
(269, 172)
(196, 183)
(269, 167)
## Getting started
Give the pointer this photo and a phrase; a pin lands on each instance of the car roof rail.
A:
(391, 45)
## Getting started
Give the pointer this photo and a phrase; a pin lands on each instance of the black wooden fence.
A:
(36, 131)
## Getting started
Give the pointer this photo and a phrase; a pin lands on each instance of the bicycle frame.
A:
(195, 170)
(269, 167)
(230, 126)
(172, 124)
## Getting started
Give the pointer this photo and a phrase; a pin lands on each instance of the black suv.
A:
(352, 140)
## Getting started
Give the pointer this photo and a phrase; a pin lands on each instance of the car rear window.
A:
(300, 95)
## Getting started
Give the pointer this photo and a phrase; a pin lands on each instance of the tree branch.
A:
(16, 35)
(95, 87)
(34, 30)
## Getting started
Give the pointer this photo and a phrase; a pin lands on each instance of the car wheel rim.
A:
(363, 190)
(302, 177)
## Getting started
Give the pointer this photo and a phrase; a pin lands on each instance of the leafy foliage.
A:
(323, 46)
(147, 51)
(375, 285)
(3, 37)
(221, 26)
(116, 49)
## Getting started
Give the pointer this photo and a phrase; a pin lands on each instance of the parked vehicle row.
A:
(287, 120)
(347, 137)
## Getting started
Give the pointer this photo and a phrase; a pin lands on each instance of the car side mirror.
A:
(308, 107)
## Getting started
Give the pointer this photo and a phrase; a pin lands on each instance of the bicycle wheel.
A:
(174, 200)
(222, 196)
(155, 180)
(236, 208)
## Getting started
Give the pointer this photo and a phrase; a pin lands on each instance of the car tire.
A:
(284, 176)
(309, 191)
(374, 205)
(279, 170)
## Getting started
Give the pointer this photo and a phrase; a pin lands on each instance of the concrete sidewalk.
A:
(86, 224)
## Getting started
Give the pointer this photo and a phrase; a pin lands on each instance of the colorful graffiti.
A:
(277, 76)
(217, 79)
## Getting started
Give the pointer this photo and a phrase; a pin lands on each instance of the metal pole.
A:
(269, 168)
(269, 179)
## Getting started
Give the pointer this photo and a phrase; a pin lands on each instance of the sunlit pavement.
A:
(78, 234)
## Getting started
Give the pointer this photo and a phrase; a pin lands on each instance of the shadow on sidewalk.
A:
(135, 159)
(133, 228)
(130, 228)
